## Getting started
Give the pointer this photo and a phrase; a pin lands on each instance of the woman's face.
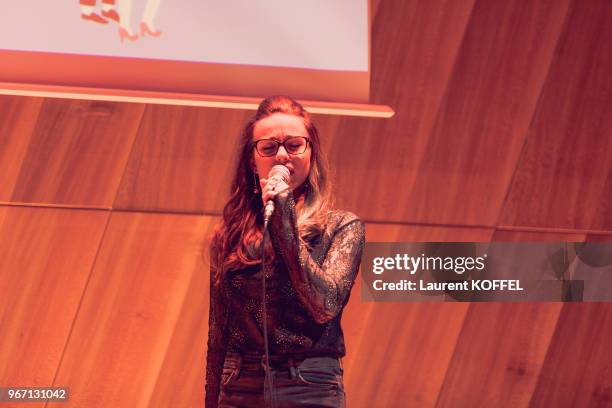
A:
(280, 127)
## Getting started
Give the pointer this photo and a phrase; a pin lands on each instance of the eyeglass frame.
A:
(279, 144)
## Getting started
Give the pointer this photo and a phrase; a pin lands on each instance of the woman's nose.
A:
(281, 155)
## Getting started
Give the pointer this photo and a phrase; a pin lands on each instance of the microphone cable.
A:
(282, 172)
(267, 376)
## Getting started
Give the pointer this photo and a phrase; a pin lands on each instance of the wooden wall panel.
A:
(414, 46)
(398, 353)
(17, 119)
(499, 354)
(181, 378)
(562, 173)
(46, 256)
(577, 370)
(489, 102)
(183, 159)
(603, 215)
(77, 153)
(130, 310)
(404, 355)
(502, 346)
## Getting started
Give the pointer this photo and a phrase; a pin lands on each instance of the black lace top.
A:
(306, 291)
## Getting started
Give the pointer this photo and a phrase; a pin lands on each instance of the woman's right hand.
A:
(270, 188)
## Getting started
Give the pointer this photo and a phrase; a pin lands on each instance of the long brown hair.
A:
(236, 240)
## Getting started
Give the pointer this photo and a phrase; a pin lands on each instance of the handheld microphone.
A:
(281, 173)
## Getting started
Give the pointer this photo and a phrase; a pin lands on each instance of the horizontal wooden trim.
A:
(185, 99)
(380, 222)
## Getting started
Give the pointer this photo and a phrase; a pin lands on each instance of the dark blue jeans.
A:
(310, 382)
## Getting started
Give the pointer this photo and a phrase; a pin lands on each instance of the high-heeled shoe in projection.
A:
(124, 34)
(144, 29)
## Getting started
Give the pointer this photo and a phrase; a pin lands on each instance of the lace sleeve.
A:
(217, 342)
(323, 290)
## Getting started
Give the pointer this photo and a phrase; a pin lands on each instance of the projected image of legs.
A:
(147, 25)
(125, 26)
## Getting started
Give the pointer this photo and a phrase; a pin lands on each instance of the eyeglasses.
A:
(293, 145)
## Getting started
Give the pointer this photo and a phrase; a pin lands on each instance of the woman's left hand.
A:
(271, 187)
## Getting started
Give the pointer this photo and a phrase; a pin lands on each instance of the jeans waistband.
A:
(275, 361)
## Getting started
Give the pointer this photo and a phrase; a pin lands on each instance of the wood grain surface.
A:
(18, 121)
(46, 256)
(77, 153)
(130, 309)
(563, 176)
